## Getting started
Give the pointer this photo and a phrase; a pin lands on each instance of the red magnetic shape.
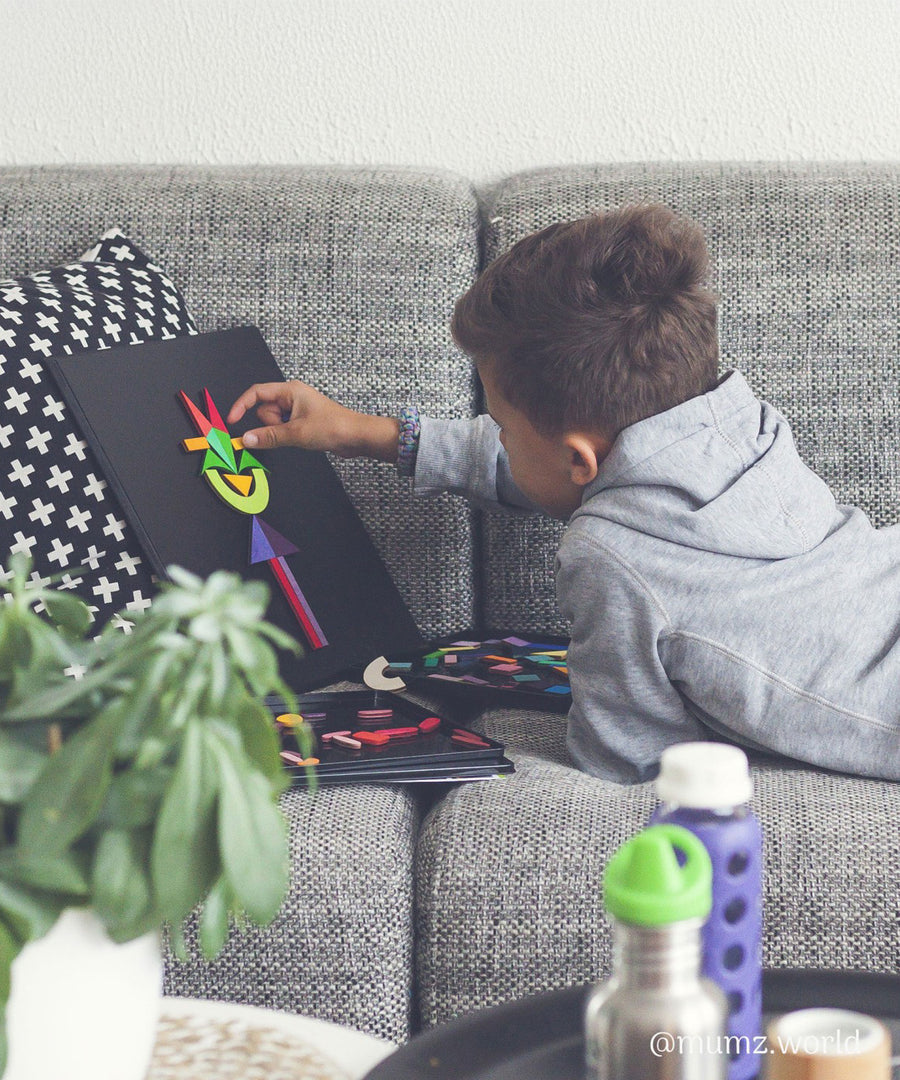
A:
(213, 413)
(200, 422)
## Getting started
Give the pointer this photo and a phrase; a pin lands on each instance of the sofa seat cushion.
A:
(341, 947)
(509, 897)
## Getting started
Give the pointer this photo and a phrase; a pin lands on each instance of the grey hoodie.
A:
(712, 587)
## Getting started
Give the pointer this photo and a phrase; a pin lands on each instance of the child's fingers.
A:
(277, 394)
(267, 438)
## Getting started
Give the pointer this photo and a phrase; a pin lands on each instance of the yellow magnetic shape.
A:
(238, 443)
(242, 483)
(254, 503)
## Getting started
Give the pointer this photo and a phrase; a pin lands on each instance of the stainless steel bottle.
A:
(657, 1018)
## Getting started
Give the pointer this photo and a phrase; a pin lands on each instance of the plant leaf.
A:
(29, 914)
(252, 833)
(20, 766)
(213, 929)
(68, 794)
(9, 950)
(121, 887)
(185, 858)
(133, 798)
(68, 612)
(53, 873)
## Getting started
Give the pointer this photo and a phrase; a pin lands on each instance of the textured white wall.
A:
(483, 87)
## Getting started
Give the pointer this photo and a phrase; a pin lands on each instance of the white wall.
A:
(483, 88)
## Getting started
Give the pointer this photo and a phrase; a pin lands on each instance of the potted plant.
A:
(139, 776)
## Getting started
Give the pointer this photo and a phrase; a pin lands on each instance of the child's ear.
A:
(585, 452)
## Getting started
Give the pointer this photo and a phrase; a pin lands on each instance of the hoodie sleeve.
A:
(625, 711)
(466, 457)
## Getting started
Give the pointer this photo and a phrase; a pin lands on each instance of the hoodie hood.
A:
(719, 473)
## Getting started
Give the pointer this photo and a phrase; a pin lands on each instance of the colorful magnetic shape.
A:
(200, 421)
(298, 603)
(266, 543)
(242, 484)
(212, 412)
(248, 461)
(248, 495)
(211, 460)
(254, 503)
(220, 442)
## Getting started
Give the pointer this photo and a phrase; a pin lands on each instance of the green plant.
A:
(139, 772)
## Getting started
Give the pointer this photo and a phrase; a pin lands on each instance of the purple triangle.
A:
(266, 543)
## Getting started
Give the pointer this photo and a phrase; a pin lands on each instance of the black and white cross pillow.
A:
(54, 502)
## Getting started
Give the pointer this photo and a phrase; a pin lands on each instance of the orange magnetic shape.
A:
(239, 483)
(199, 442)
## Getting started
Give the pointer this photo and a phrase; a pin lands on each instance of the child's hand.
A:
(298, 415)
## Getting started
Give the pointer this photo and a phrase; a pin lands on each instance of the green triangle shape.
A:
(248, 461)
(212, 460)
(220, 442)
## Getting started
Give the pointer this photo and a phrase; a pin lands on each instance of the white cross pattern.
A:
(53, 408)
(41, 345)
(17, 399)
(75, 446)
(31, 369)
(129, 563)
(42, 512)
(7, 504)
(78, 519)
(20, 473)
(93, 557)
(23, 543)
(59, 479)
(60, 552)
(95, 487)
(114, 528)
(38, 440)
(105, 589)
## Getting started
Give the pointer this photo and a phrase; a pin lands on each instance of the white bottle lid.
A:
(704, 776)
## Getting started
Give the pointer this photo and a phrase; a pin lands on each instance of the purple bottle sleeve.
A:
(732, 936)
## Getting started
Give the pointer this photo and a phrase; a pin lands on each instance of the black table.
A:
(540, 1037)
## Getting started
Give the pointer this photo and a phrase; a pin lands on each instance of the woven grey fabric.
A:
(351, 275)
(341, 947)
(529, 730)
(806, 259)
(509, 880)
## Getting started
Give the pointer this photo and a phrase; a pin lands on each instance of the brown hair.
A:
(597, 323)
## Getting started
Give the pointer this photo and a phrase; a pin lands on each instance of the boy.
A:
(711, 584)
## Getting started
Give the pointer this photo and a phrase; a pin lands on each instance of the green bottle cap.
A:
(646, 882)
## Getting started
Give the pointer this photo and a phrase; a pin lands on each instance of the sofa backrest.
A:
(806, 260)
(350, 273)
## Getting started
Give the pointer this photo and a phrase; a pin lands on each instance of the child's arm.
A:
(463, 457)
(625, 709)
(295, 414)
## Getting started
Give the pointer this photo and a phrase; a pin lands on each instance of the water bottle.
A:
(706, 787)
(656, 1018)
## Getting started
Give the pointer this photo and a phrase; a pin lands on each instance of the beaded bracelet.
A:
(408, 442)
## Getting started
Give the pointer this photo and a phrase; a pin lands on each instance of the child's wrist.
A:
(371, 436)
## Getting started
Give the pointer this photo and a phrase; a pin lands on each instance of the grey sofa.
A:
(409, 907)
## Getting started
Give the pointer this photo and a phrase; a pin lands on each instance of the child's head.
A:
(594, 324)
